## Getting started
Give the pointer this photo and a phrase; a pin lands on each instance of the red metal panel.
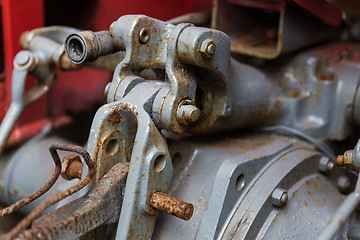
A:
(322, 10)
(19, 16)
(276, 5)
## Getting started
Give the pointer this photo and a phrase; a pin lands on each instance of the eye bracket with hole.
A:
(159, 163)
(112, 146)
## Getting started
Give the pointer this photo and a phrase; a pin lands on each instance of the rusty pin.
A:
(207, 48)
(71, 167)
(187, 113)
(171, 205)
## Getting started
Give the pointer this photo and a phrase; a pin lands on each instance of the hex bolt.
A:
(22, 58)
(144, 35)
(343, 183)
(279, 197)
(207, 48)
(325, 164)
(187, 113)
(71, 167)
(171, 205)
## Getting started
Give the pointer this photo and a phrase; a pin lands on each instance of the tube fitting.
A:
(87, 46)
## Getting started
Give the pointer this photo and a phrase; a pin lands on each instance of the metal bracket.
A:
(123, 131)
(150, 43)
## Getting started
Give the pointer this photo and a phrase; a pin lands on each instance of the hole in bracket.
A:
(159, 163)
(112, 146)
(240, 182)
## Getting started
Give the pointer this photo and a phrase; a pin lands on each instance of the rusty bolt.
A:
(325, 164)
(187, 113)
(279, 197)
(346, 161)
(71, 167)
(144, 35)
(326, 76)
(208, 48)
(171, 205)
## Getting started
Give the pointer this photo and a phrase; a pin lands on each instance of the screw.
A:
(106, 91)
(279, 197)
(71, 167)
(343, 183)
(187, 113)
(22, 58)
(144, 35)
(171, 205)
(325, 164)
(207, 48)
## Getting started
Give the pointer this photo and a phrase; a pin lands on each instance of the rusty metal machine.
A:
(234, 124)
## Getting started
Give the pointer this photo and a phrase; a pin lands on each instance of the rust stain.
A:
(171, 205)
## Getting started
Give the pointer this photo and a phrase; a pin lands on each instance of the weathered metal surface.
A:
(87, 46)
(170, 48)
(71, 167)
(122, 131)
(101, 205)
(267, 34)
(54, 199)
(171, 205)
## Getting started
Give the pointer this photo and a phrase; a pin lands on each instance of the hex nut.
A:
(325, 164)
(207, 48)
(279, 197)
(71, 167)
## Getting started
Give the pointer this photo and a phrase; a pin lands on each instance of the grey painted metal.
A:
(170, 48)
(279, 197)
(313, 92)
(325, 164)
(231, 180)
(255, 217)
(342, 214)
(20, 98)
(128, 123)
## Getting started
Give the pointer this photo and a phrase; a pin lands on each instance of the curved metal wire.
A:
(54, 199)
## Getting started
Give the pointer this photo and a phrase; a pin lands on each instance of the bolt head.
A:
(22, 58)
(207, 48)
(325, 164)
(65, 164)
(187, 114)
(279, 197)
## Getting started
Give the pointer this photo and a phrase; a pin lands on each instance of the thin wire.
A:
(321, 146)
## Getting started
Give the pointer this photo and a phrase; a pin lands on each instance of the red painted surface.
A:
(275, 5)
(322, 10)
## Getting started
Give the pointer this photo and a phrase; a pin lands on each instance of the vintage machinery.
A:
(239, 131)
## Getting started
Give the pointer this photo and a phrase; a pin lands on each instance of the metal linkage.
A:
(153, 44)
(42, 206)
(101, 205)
